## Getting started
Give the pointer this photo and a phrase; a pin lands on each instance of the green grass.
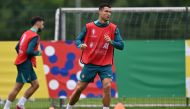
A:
(46, 103)
(37, 104)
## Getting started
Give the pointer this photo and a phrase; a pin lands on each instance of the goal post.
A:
(139, 14)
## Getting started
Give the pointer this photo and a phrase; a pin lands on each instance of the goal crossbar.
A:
(60, 15)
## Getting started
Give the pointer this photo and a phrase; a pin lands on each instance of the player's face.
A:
(40, 25)
(105, 13)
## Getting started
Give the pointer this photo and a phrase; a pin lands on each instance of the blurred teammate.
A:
(97, 42)
(27, 49)
(1, 101)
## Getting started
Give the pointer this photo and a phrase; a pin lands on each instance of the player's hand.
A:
(107, 38)
(40, 53)
(83, 46)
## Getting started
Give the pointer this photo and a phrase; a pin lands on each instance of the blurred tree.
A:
(15, 15)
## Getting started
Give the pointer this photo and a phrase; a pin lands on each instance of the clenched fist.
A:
(83, 46)
(107, 38)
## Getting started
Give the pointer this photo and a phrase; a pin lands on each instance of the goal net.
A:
(134, 23)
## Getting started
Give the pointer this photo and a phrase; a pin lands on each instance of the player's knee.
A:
(17, 89)
(107, 85)
(36, 85)
(18, 86)
(107, 88)
(79, 89)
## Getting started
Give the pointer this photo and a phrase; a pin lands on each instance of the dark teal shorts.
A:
(89, 72)
(26, 73)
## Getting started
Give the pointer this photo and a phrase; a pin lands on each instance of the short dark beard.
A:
(39, 30)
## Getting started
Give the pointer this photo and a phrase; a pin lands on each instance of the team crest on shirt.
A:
(83, 76)
(93, 33)
(91, 44)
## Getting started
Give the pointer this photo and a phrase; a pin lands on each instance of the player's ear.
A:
(100, 11)
(38, 23)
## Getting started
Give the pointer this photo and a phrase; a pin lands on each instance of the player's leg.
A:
(13, 94)
(15, 91)
(77, 92)
(106, 92)
(20, 80)
(32, 79)
(105, 74)
(29, 92)
(87, 75)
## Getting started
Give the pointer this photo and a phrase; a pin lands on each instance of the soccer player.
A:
(27, 49)
(97, 42)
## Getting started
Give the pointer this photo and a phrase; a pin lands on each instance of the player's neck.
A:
(34, 28)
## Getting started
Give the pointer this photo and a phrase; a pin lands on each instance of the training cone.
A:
(119, 106)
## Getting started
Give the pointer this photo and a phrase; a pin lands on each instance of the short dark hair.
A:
(104, 5)
(36, 19)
